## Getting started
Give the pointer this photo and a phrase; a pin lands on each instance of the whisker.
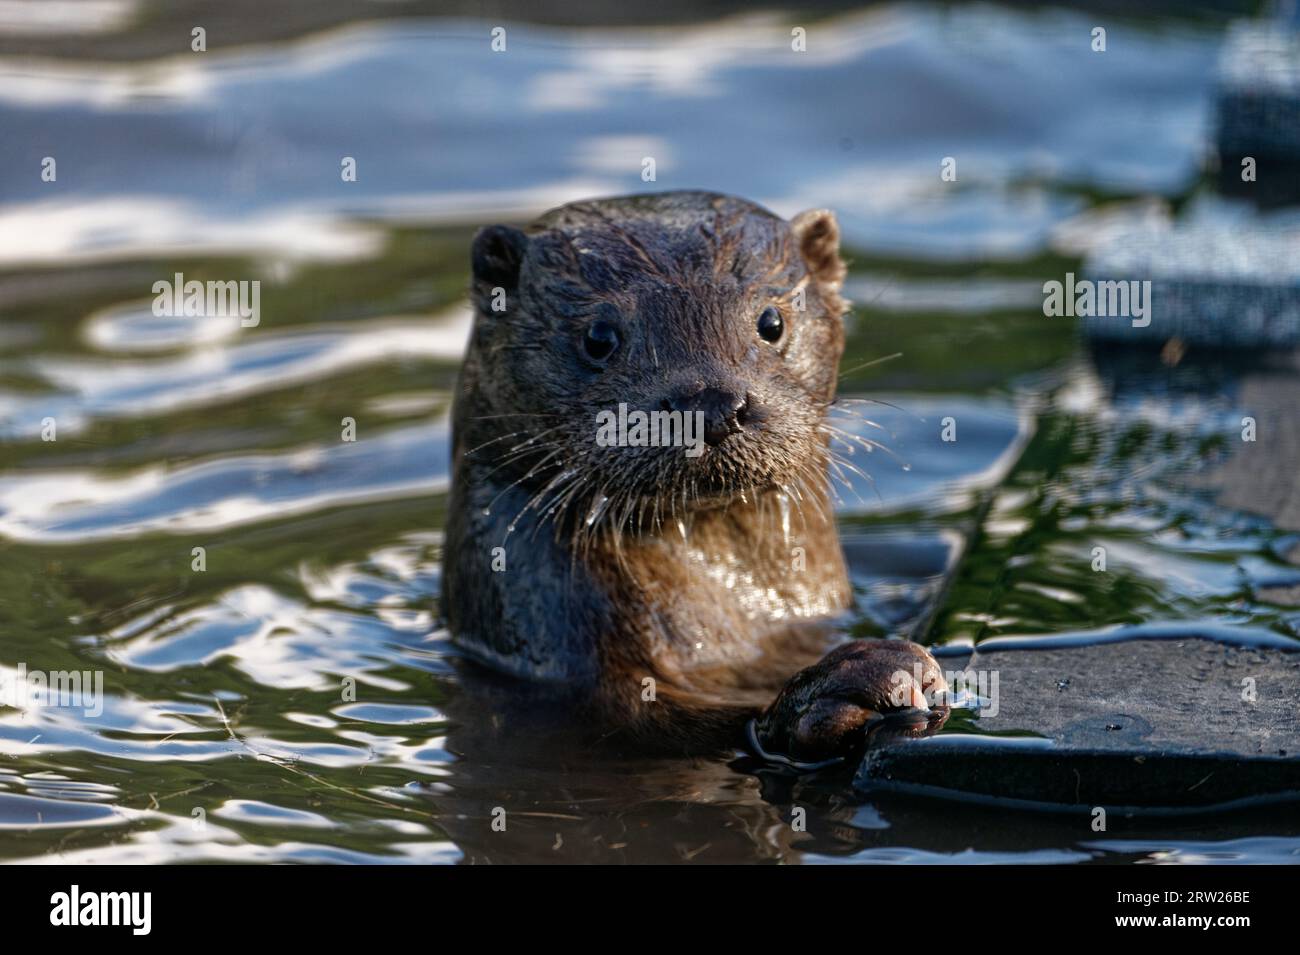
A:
(874, 361)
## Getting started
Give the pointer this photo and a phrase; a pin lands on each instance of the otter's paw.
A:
(823, 710)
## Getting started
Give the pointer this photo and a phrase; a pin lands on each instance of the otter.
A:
(680, 601)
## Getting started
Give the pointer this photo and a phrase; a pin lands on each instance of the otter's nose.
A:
(724, 411)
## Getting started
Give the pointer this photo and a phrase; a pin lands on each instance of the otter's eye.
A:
(770, 325)
(601, 340)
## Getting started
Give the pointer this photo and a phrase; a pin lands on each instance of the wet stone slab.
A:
(1160, 722)
(1259, 91)
(1211, 286)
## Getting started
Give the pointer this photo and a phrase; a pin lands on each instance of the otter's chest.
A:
(706, 604)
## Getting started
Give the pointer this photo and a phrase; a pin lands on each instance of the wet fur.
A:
(623, 564)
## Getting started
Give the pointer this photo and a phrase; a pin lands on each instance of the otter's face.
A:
(666, 361)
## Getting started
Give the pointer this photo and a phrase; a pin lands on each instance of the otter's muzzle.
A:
(725, 412)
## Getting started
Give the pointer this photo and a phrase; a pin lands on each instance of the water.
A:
(226, 733)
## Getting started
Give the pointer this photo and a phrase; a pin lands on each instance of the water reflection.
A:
(295, 701)
(245, 148)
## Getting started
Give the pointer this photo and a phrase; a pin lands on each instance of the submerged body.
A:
(669, 592)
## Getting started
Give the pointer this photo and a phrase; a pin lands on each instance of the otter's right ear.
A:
(497, 254)
(817, 235)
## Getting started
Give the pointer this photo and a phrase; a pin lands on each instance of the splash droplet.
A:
(597, 507)
(783, 502)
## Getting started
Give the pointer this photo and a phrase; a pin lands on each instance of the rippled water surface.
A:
(225, 733)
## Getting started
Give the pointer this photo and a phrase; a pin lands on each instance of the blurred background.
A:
(225, 736)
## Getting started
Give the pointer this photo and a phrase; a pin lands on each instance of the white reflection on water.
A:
(44, 17)
(236, 490)
(1262, 850)
(134, 327)
(66, 231)
(216, 371)
(189, 151)
(175, 842)
(233, 491)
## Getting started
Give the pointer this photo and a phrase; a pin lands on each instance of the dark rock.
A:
(1163, 723)
(1260, 476)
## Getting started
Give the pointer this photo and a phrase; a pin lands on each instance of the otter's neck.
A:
(712, 590)
(705, 592)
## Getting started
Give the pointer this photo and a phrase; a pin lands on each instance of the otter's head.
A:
(694, 303)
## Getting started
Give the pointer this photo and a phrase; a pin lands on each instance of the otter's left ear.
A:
(497, 254)
(817, 235)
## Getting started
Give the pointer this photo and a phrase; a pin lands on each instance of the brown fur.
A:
(714, 577)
